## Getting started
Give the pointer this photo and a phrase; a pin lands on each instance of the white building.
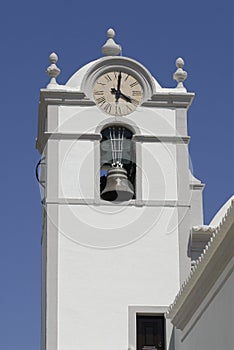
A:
(119, 204)
(203, 311)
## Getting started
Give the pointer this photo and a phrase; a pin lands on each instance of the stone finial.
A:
(180, 75)
(53, 71)
(110, 48)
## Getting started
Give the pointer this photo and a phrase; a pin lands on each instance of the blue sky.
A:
(153, 32)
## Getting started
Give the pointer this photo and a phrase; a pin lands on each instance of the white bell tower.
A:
(112, 264)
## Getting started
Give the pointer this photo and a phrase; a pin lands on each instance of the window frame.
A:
(129, 124)
(132, 158)
(135, 310)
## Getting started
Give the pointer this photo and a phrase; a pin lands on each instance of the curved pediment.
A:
(84, 78)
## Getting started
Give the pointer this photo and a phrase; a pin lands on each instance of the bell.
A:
(118, 188)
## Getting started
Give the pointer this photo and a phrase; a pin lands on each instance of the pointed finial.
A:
(53, 71)
(180, 75)
(110, 48)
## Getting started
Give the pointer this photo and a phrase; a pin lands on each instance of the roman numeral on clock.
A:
(129, 109)
(107, 108)
(108, 78)
(134, 84)
(100, 92)
(135, 102)
(136, 93)
(101, 100)
(119, 110)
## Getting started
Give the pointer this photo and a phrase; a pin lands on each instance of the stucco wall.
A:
(211, 327)
(96, 286)
(150, 121)
(102, 258)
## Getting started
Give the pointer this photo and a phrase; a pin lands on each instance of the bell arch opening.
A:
(117, 164)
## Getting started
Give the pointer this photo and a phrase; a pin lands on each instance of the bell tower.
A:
(118, 204)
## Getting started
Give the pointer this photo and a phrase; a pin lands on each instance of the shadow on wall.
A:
(172, 340)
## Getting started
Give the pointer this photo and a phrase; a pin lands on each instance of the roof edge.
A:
(205, 272)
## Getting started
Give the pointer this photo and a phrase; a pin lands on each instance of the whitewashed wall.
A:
(96, 285)
(100, 258)
(212, 325)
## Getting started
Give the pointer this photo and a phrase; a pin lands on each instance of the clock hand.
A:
(116, 93)
(126, 98)
(119, 94)
(119, 81)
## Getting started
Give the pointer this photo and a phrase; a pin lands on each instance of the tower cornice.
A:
(160, 99)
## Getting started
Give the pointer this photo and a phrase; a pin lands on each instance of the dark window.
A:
(150, 332)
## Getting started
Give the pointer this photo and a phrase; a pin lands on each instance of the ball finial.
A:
(53, 71)
(179, 62)
(53, 58)
(180, 75)
(110, 33)
(110, 48)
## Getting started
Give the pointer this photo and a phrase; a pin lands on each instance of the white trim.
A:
(45, 136)
(164, 139)
(133, 202)
(136, 138)
(170, 99)
(133, 310)
(159, 99)
(51, 282)
(126, 122)
(195, 187)
(123, 64)
(219, 284)
(72, 136)
(211, 264)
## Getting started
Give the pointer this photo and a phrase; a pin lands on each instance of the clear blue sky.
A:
(153, 32)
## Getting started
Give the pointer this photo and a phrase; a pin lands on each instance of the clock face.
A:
(117, 93)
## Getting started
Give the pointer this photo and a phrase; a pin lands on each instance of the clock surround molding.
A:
(123, 64)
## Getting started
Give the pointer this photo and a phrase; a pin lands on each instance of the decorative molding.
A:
(200, 236)
(100, 202)
(74, 97)
(71, 136)
(147, 310)
(64, 97)
(202, 228)
(118, 63)
(110, 120)
(171, 139)
(197, 186)
(210, 265)
(65, 136)
(170, 99)
(97, 137)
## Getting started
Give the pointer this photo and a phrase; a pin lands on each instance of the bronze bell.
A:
(118, 188)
